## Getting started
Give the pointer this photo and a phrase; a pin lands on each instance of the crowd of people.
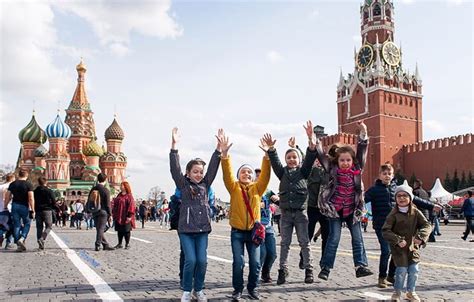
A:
(314, 187)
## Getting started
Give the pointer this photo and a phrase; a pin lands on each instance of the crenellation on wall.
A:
(440, 143)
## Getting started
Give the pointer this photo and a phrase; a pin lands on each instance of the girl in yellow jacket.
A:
(240, 220)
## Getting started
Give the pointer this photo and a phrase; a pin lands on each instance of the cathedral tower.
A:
(57, 159)
(114, 161)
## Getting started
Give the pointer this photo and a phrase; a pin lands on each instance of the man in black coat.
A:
(104, 215)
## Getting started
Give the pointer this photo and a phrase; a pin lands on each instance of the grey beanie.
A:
(404, 188)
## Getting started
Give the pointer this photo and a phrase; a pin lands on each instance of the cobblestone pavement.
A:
(149, 270)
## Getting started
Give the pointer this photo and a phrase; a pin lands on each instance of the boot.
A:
(266, 277)
(308, 276)
(282, 275)
(382, 283)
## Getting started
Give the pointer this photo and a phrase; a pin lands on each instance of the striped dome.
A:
(93, 149)
(114, 131)
(40, 151)
(58, 129)
(32, 133)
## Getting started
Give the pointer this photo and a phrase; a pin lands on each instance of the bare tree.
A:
(154, 194)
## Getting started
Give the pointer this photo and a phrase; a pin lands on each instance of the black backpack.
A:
(93, 204)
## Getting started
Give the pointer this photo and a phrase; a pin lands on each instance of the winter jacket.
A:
(468, 207)
(316, 181)
(406, 226)
(104, 194)
(421, 193)
(194, 212)
(293, 182)
(382, 199)
(325, 201)
(239, 217)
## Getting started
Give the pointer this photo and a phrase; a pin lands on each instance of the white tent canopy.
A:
(439, 193)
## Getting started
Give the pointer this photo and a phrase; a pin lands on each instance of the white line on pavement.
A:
(377, 296)
(222, 259)
(101, 287)
(134, 238)
(452, 248)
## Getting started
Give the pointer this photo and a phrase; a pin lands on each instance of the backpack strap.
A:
(247, 203)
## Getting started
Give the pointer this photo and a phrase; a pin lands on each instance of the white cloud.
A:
(114, 21)
(408, 1)
(455, 2)
(274, 57)
(314, 14)
(434, 126)
(27, 65)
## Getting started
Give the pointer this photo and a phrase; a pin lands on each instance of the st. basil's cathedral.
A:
(74, 158)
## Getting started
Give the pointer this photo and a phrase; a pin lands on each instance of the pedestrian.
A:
(165, 213)
(63, 208)
(102, 215)
(418, 191)
(194, 221)
(468, 211)
(342, 201)
(20, 192)
(142, 212)
(407, 230)
(79, 216)
(123, 213)
(245, 197)
(268, 252)
(293, 193)
(45, 203)
(7, 228)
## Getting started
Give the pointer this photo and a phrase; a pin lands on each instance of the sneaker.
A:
(253, 294)
(324, 274)
(412, 296)
(308, 276)
(390, 279)
(236, 295)
(118, 246)
(41, 244)
(9, 246)
(186, 297)
(363, 271)
(108, 248)
(200, 296)
(382, 283)
(127, 246)
(396, 296)
(464, 238)
(266, 277)
(282, 275)
(21, 245)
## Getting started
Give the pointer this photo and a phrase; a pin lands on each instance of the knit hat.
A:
(404, 188)
(247, 166)
(294, 150)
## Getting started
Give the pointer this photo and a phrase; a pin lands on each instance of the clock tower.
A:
(380, 91)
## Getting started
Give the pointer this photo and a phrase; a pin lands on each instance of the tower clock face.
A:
(365, 56)
(391, 53)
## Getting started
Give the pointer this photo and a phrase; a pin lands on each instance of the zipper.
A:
(187, 219)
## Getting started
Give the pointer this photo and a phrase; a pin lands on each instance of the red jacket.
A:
(123, 208)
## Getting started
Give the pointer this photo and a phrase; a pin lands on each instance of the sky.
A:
(248, 67)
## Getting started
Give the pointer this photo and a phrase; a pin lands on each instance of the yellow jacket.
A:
(239, 217)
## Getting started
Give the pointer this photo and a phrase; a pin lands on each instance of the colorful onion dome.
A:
(93, 149)
(81, 66)
(58, 129)
(114, 131)
(40, 151)
(32, 133)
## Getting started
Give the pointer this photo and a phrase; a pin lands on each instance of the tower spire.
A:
(417, 74)
(79, 99)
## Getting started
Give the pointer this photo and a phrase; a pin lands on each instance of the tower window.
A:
(377, 10)
(400, 134)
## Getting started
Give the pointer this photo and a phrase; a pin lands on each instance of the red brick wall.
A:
(432, 159)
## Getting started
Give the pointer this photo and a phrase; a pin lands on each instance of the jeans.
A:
(21, 221)
(240, 239)
(195, 263)
(358, 249)
(43, 218)
(436, 226)
(384, 254)
(469, 226)
(268, 252)
(299, 220)
(400, 275)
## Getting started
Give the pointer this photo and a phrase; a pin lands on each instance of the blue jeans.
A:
(195, 263)
(268, 252)
(400, 275)
(358, 249)
(384, 254)
(239, 240)
(21, 221)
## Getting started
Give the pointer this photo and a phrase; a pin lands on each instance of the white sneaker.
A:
(200, 296)
(186, 297)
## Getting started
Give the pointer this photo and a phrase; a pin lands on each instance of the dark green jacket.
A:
(316, 180)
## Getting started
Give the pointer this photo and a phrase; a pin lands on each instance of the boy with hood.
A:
(407, 230)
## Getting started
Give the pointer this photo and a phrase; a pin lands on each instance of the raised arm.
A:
(268, 145)
(362, 145)
(215, 160)
(310, 157)
(264, 179)
(175, 167)
(227, 173)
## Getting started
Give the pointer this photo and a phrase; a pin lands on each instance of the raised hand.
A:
(292, 142)
(267, 142)
(223, 142)
(310, 134)
(174, 137)
(362, 128)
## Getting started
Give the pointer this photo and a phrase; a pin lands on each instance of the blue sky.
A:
(249, 67)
